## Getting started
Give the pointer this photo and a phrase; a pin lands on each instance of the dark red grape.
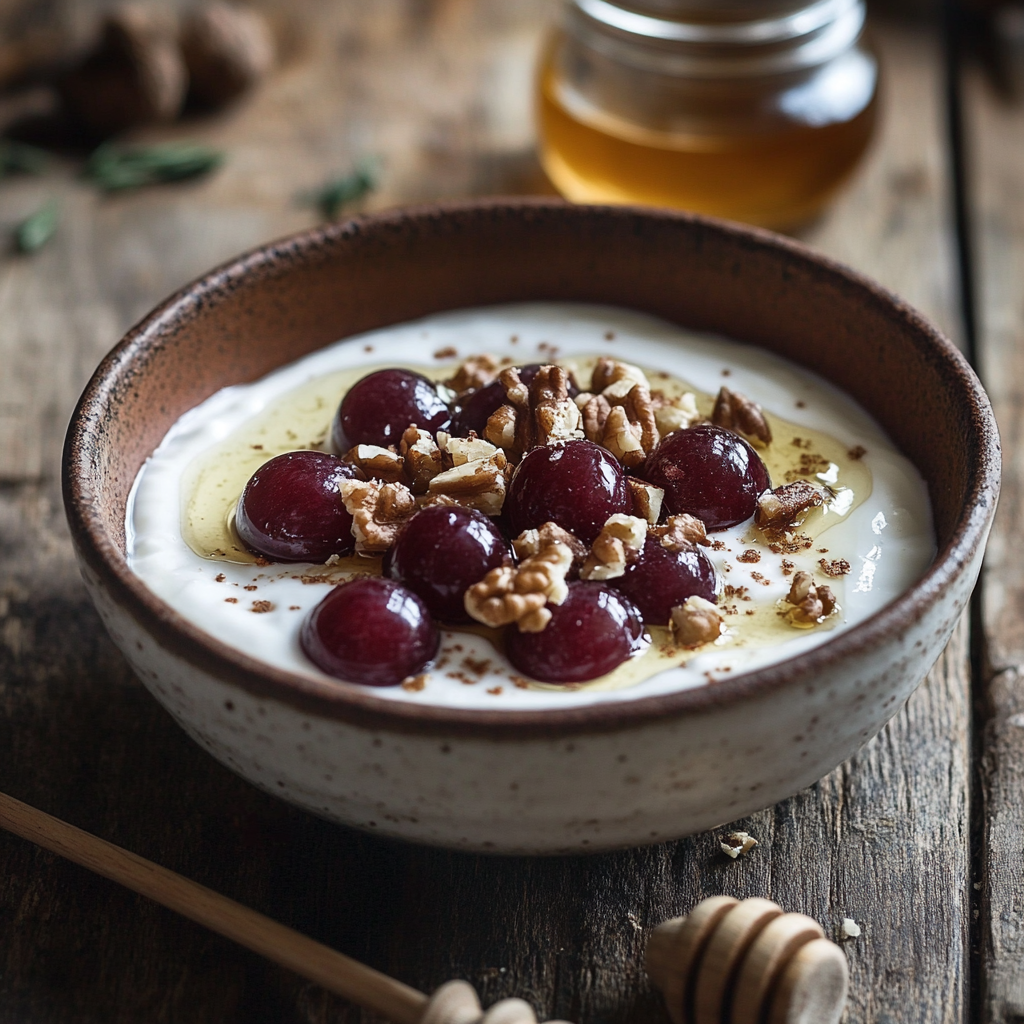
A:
(378, 408)
(709, 473)
(291, 509)
(592, 632)
(476, 408)
(441, 552)
(371, 631)
(576, 484)
(660, 579)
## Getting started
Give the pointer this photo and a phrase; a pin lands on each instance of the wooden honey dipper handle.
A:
(746, 962)
(453, 1003)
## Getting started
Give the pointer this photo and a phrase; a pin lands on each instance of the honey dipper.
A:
(746, 962)
(725, 956)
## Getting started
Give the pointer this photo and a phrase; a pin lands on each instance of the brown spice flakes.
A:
(857, 453)
(256, 447)
(758, 578)
(231, 600)
(259, 607)
(801, 442)
(787, 567)
(837, 567)
(519, 682)
(810, 464)
(414, 683)
(250, 586)
(448, 352)
(495, 691)
(479, 667)
(220, 578)
(717, 545)
(263, 561)
(295, 607)
(750, 556)
(609, 335)
(367, 348)
(800, 403)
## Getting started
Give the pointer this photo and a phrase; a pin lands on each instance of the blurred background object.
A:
(755, 110)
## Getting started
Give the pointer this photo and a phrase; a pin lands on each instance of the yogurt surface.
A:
(886, 538)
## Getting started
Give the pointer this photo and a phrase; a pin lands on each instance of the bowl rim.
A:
(359, 705)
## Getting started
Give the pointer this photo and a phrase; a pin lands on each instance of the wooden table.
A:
(918, 838)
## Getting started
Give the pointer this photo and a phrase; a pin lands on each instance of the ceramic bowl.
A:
(583, 778)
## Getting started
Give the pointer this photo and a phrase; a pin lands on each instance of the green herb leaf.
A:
(38, 228)
(331, 198)
(21, 158)
(114, 168)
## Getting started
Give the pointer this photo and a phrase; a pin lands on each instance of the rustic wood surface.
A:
(440, 91)
(996, 145)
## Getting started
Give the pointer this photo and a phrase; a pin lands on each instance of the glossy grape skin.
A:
(576, 484)
(441, 552)
(378, 408)
(591, 633)
(291, 509)
(371, 631)
(709, 473)
(476, 408)
(660, 579)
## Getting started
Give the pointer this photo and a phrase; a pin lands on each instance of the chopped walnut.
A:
(737, 843)
(647, 499)
(422, 459)
(520, 594)
(378, 512)
(539, 414)
(376, 462)
(811, 604)
(681, 532)
(620, 540)
(475, 372)
(677, 413)
(625, 424)
(615, 380)
(739, 414)
(781, 510)
(532, 542)
(477, 476)
(696, 622)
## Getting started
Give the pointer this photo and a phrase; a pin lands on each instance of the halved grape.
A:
(378, 409)
(591, 633)
(371, 631)
(441, 552)
(291, 509)
(709, 473)
(576, 484)
(660, 579)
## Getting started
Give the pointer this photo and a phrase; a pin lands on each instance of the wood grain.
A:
(996, 148)
(440, 90)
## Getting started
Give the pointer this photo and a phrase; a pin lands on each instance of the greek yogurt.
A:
(869, 543)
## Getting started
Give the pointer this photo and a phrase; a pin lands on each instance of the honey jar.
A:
(755, 110)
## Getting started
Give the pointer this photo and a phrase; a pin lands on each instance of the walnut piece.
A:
(679, 533)
(378, 512)
(476, 478)
(536, 415)
(647, 499)
(475, 372)
(615, 380)
(739, 414)
(422, 459)
(624, 424)
(677, 413)
(620, 541)
(737, 843)
(376, 462)
(532, 542)
(520, 594)
(812, 604)
(695, 622)
(783, 509)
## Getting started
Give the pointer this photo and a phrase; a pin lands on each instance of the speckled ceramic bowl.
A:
(535, 781)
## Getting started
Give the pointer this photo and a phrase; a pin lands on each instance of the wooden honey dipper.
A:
(746, 962)
(725, 957)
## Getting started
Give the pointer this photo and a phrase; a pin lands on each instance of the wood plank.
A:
(996, 162)
(441, 92)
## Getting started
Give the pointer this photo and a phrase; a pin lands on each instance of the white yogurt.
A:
(888, 539)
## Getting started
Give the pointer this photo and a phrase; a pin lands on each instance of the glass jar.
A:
(754, 110)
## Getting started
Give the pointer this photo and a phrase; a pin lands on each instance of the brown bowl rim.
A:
(358, 705)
